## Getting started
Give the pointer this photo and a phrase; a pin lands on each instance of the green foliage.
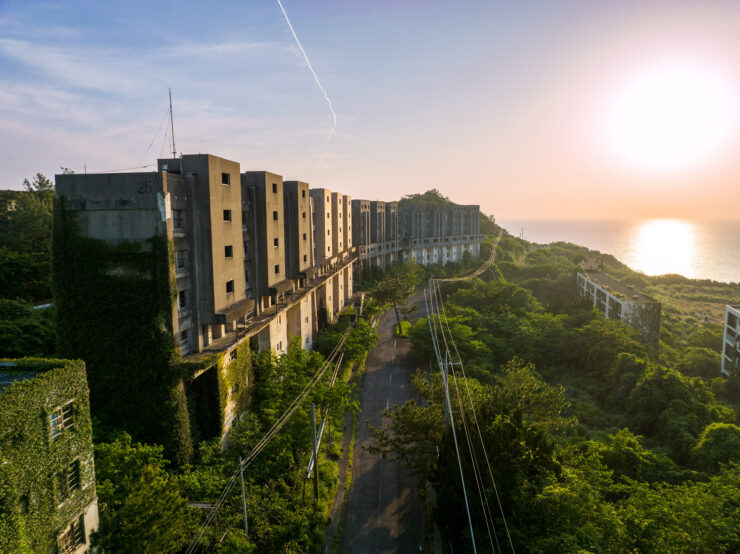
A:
(141, 509)
(30, 459)
(566, 485)
(25, 331)
(719, 443)
(25, 240)
(127, 287)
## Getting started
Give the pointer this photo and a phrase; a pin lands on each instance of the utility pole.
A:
(447, 401)
(172, 123)
(315, 455)
(244, 497)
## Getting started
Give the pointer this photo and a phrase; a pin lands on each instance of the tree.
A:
(398, 285)
(141, 509)
(718, 444)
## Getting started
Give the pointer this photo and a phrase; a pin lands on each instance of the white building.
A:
(731, 344)
(618, 301)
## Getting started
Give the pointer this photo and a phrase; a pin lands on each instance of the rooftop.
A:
(9, 374)
(617, 288)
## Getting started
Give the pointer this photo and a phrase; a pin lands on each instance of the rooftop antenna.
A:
(172, 123)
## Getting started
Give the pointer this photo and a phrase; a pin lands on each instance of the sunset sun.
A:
(670, 117)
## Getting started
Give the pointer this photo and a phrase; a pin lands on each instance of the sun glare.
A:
(670, 117)
(664, 246)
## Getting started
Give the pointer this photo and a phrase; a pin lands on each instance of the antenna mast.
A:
(172, 123)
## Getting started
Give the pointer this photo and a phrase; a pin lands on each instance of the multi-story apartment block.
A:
(338, 226)
(322, 226)
(267, 241)
(731, 341)
(386, 232)
(48, 501)
(228, 256)
(618, 301)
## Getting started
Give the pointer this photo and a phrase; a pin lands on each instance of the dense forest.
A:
(596, 442)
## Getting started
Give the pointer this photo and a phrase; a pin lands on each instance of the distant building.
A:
(731, 341)
(48, 501)
(618, 301)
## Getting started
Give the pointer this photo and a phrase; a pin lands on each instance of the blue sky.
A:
(493, 103)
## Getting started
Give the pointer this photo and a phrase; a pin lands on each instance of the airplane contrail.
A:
(315, 77)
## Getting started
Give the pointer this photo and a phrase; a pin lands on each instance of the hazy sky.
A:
(511, 105)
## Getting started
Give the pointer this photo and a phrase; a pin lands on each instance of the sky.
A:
(530, 109)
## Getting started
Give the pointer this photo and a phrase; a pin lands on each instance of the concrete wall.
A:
(267, 242)
(377, 221)
(347, 227)
(322, 220)
(297, 228)
(338, 218)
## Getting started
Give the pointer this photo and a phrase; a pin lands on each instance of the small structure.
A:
(618, 301)
(731, 343)
(48, 501)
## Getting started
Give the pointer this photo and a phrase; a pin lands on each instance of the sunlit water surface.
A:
(699, 250)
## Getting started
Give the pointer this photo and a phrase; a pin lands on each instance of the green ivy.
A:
(29, 459)
(114, 310)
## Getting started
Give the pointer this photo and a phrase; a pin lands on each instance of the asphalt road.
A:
(383, 512)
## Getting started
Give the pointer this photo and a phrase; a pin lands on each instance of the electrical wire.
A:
(277, 426)
(435, 286)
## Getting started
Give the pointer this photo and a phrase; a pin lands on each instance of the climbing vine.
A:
(31, 516)
(114, 305)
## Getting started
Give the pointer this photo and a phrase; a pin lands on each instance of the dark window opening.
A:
(274, 187)
(229, 286)
(277, 268)
(225, 179)
(227, 215)
(183, 299)
(275, 216)
(275, 241)
(229, 251)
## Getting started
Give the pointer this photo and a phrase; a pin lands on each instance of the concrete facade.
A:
(731, 341)
(387, 232)
(618, 301)
(322, 226)
(298, 235)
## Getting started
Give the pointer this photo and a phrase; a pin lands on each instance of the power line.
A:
(436, 298)
(244, 463)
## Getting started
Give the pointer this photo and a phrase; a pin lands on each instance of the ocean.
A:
(694, 249)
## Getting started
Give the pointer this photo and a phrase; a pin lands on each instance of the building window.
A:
(225, 179)
(184, 335)
(73, 537)
(275, 241)
(277, 268)
(178, 219)
(227, 215)
(280, 346)
(183, 299)
(306, 320)
(303, 194)
(229, 251)
(328, 231)
(229, 286)
(275, 216)
(328, 215)
(327, 198)
(304, 236)
(305, 258)
(181, 259)
(60, 419)
(328, 248)
(68, 481)
(304, 215)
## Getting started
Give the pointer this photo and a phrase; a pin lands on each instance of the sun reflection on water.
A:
(662, 246)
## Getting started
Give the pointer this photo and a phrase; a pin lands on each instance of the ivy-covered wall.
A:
(30, 515)
(114, 310)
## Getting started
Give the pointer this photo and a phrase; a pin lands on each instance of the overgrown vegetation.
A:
(597, 442)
